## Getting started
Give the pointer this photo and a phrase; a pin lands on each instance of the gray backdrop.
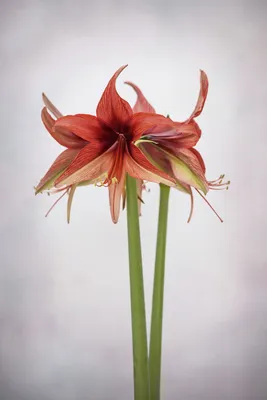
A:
(65, 329)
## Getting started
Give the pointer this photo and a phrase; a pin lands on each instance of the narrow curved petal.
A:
(112, 109)
(186, 168)
(58, 166)
(63, 137)
(203, 92)
(138, 166)
(70, 199)
(50, 106)
(141, 105)
(151, 124)
(86, 127)
(115, 195)
(91, 163)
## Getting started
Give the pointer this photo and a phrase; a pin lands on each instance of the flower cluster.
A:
(102, 149)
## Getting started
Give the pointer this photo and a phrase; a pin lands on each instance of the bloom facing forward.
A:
(173, 152)
(101, 149)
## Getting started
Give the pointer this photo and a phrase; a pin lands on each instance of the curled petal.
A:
(112, 109)
(151, 124)
(62, 136)
(138, 166)
(86, 127)
(141, 105)
(203, 92)
(192, 205)
(186, 168)
(58, 166)
(50, 106)
(116, 191)
(91, 163)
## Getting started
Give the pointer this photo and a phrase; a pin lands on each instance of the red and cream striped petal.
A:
(116, 192)
(187, 168)
(90, 164)
(86, 127)
(112, 109)
(151, 124)
(138, 166)
(187, 134)
(56, 169)
(62, 136)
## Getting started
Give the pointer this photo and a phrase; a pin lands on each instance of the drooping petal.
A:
(116, 169)
(91, 163)
(203, 92)
(186, 167)
(116, 190)
(200, 159)
(62, 136)
(85, 126)
(58, 166)
(50, 106)
(112, 109)
(141, 105)
(70, 199)
(138, 166)
(151, 124)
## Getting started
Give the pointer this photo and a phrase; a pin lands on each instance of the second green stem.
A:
(158, 295)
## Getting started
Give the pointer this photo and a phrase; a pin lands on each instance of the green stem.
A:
(158, 294)
(139, 337)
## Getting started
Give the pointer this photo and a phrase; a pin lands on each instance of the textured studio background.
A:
(65, 329)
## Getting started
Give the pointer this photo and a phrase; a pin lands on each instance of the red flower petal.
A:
(85, 126)
(63, 137)
(159, 158)
(112, 109)
(187, 168)
(62, 162)
(138, 166)
(150, 124)
(115, 195)
(187, 135)
(204, 86)
(200, 159)
(141, 105)
(91, 163)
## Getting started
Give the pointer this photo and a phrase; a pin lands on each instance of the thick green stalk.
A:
(139, 336)
(158, 295)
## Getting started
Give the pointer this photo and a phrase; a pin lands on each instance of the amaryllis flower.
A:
(173, 152)
(101, 149)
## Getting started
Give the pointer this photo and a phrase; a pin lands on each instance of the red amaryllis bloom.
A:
(101, 149)
(173, 152)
